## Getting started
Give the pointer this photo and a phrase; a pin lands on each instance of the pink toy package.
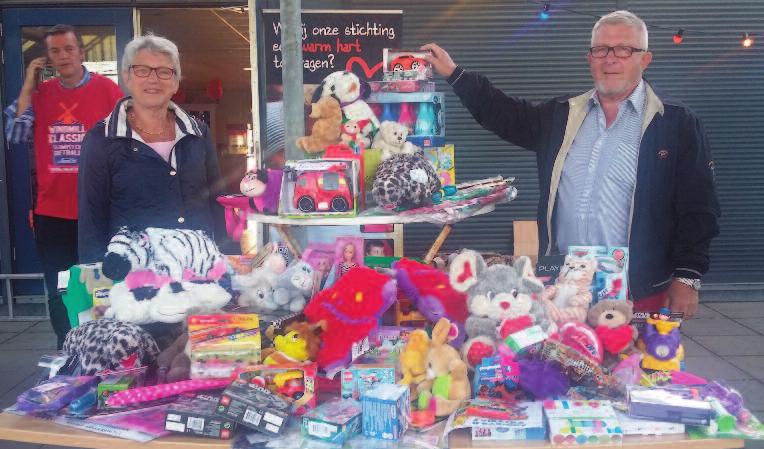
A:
(348, 254)
(320, 256)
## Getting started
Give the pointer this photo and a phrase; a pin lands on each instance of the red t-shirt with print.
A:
(62, 118)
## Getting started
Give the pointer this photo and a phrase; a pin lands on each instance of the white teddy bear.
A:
(391, 140)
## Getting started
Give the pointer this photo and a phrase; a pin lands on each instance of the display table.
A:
(443, 218)
(32, 430)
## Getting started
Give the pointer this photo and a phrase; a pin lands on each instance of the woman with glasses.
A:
(149, 163)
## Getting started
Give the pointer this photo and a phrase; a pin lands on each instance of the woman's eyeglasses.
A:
(144, 71)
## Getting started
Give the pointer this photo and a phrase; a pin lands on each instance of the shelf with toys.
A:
(383, 159)
(174, 345)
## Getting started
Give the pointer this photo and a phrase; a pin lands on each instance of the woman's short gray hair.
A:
(154, 44)
(623, 17)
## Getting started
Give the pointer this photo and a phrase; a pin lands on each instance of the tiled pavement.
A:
(725, 341)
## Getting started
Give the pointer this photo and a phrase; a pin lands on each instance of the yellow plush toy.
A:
(414, 358)
(299, 344)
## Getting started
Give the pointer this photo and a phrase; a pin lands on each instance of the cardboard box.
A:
(320, 187)
(335, 421)
(575, 422)
(222, 343)
(526, 422)
(196, 416)
(386, 409)
(359, 378)
(254, 406)
(294, 381)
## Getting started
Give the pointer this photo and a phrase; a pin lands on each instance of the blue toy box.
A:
(386, 409)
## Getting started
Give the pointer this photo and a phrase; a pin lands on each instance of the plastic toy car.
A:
(322, 191)
(406, 62)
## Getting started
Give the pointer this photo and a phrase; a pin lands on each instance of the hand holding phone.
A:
(34, 69)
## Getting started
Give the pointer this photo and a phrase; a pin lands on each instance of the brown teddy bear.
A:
(610, 319)
(326, 129)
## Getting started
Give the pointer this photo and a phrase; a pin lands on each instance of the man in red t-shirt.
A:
(57, 113)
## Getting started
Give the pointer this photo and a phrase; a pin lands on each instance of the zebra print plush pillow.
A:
(180, 254)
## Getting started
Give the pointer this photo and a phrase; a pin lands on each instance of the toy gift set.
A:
(320, 187)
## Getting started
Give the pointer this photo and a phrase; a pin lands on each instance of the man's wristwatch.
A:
(694, 283)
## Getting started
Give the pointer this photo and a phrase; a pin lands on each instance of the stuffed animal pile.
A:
(500, 299)
(167, 273)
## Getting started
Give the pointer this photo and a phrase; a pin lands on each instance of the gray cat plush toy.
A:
(498, 297)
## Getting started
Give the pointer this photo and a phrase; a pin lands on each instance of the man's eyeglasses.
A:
(144, 71)
(619, 51)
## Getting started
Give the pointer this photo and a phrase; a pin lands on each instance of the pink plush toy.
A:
(146, 394)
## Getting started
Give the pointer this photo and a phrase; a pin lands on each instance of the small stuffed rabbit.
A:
(447, 385)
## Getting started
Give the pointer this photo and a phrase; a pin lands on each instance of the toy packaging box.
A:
(385, 411)
(422, 112)
(222, 343)
(443, 160)
(679, 404)
(254, 406)
(334, 421)
(294, 381)
(386, 344)
(492, 420)
(359, 378)
(196, 416)
(112, 384)
(404, 86)
(400, 64)
(495, 377)
(612, 275)
(636, 426)
(576, 422)
(320, 187)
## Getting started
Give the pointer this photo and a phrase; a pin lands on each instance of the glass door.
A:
(105, 32)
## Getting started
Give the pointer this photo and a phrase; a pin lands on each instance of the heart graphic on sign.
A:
(368, 71)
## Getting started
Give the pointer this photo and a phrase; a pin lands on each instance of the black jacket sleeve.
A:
(93, 193)
(696, 205)
(515, 120)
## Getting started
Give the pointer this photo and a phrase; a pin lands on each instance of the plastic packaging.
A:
(55, 394)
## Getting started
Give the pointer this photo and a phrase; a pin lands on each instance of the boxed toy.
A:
(573, 422)
(386, 343)
(443, 161)
(495, 377)
(611, 278)
(636, 426)
(493, 420)
(677, 403)
(294, 381)
(222, 343)
(422, 112)
(335, 421)
(405, 65)
(254, 406)
(359, 378)
(112, 384)
(402, 86)
(386, 409)
(320, 187)
(196, 415)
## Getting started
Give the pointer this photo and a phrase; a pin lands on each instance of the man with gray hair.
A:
(618, 165)
(55, 114)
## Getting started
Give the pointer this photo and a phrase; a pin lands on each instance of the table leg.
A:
(437, 243)
(289, 240)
